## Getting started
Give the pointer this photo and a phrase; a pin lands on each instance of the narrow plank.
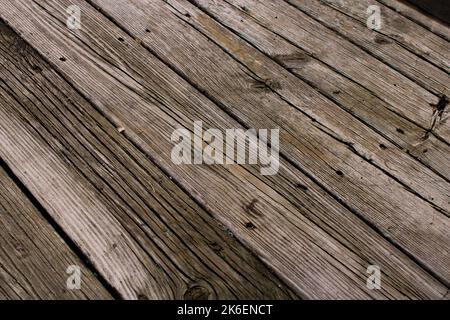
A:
(406, 97)
(146, 237)
(33, 257)
(351, 97)
(284, 232)
(411, 13)
(404, 31)
(387, 50)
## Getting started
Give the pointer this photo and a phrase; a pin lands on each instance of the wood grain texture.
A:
(415, 38)
(147, 237)
(308, 276)
(302, 141)
(386, 49)
(398, 30)
(408, 99)
(33, 257)
(147, 99)
(352, 99)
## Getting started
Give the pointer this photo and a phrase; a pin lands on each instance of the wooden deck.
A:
(87, 178)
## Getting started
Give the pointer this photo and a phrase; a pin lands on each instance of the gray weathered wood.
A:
(327, 267)
(256, 108)
(384, 48)
(405, 96)
(351, 97)
(145, 236)
(33, 257)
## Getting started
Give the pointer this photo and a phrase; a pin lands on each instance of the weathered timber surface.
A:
(349, 19)
(409, 99)
(399, 43)
(143, 234)
(33, 257)
(413, 37)
(230, 85)
(351, 97)
(346, 196)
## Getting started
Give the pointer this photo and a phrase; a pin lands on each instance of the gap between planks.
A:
(35, 255)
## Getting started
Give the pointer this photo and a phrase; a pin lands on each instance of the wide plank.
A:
(284, 232)
(34, 259)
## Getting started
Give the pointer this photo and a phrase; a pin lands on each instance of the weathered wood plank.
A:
(283, 233)
(243, 105)
(147, 237)
(411, 13)
(184, 60)
(351, 97)
(33, 257)
(402, 30)
(384, 48)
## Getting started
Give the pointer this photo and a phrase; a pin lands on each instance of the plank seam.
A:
(54, 225)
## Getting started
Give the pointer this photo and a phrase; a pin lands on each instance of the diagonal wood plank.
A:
(144, 122)
(402, 30)
(21, 169)
(33, 257)
(145, 236)
(384, 48)
(188, 63)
